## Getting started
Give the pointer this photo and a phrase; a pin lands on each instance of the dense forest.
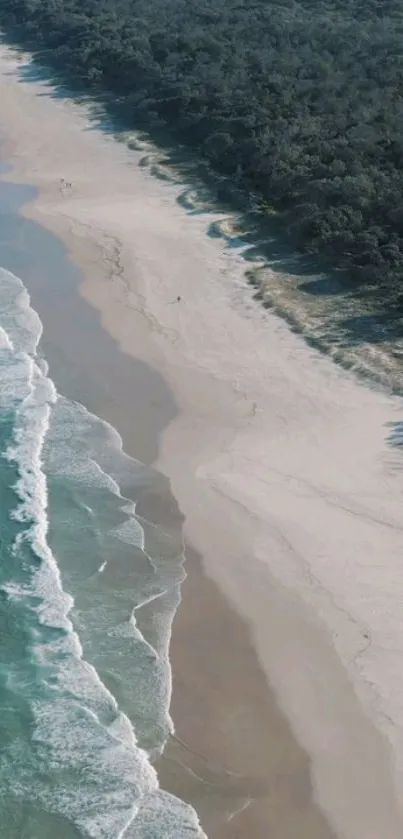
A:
(299, 101)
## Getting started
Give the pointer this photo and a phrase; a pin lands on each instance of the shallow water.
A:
(88, 622)
(87, 601)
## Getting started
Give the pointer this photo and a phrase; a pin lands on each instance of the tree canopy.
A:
(299, 101)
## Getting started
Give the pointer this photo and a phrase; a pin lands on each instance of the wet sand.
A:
(233, 757)
(238, 414)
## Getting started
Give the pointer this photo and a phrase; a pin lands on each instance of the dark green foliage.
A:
(299, 101)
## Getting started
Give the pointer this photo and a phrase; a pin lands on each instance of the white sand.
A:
(278, 459)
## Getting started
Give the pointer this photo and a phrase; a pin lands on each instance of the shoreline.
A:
(240, 795)
(233, 755)
(212, 451)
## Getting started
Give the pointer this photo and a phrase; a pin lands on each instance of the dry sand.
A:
(281, 465)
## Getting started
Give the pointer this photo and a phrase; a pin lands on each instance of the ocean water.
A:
(86, 606)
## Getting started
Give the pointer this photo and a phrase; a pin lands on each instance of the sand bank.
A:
(281, 463)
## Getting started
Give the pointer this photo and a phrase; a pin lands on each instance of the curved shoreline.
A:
(244, 791)
(269, 437)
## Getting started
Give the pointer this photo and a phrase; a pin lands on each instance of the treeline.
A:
(300, 101)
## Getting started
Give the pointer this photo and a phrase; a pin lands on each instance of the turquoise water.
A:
(86, 611)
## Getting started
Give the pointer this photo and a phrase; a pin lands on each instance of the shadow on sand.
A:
(395, 438)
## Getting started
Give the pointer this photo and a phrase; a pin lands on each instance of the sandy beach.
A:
(287, 646)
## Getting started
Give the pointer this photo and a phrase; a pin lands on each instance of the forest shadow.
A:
(372, 328)
(334, 283)
(395, 436)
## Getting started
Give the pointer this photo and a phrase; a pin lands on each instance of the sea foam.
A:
(78, 759)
